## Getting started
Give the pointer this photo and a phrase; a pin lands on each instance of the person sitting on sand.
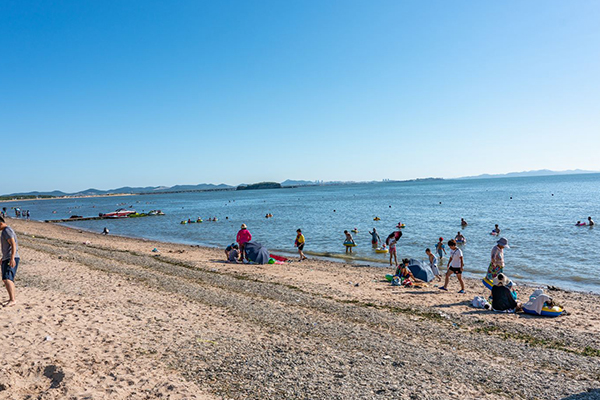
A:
(463, 223)
(460, 239)
(229, 248)
(233, 255)
(502, 297)
(406, 277)
(349, 242)
(591, 222)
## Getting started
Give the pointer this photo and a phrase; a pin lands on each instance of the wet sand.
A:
(105, 317)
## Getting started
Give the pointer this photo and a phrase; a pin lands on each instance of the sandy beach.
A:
(103, 317)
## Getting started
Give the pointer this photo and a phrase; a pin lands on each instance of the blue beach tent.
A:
(256, 253)
(420, 271)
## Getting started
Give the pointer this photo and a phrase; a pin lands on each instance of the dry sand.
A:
(103, 317)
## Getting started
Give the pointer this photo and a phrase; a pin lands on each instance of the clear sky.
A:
(106, 94)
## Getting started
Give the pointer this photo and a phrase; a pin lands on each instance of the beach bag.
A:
(396, 281)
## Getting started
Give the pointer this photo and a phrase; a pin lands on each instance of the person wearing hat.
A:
(502, 297)
(299, 243)
(243, 237)
(497, 259)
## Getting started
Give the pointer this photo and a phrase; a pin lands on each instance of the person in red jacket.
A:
(243, 237)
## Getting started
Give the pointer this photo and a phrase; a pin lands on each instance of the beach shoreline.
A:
(317, 329)
(340, 260)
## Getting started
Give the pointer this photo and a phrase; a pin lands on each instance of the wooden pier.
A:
(56, 221)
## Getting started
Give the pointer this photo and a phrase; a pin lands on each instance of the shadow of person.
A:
(591, 394)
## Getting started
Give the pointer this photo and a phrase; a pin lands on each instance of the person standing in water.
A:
(300, 244)
(463, 223)
(590, 222)
(375, 239)
(349, 242)
(439, 248)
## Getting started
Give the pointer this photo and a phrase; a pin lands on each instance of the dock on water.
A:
(55, 221)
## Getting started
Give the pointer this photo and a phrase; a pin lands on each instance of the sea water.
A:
(536, 214)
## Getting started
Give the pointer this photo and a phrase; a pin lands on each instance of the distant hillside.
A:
(261, 185)
(124, 190)
(541, 172)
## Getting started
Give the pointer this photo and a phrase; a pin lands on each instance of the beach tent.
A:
(255, 252)
(420, 271)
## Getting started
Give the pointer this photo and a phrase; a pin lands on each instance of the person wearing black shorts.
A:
(455, 266)
(300, 244)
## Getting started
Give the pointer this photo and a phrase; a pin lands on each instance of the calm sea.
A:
(536, 214)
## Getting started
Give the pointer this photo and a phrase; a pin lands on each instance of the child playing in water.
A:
(433, 264)
(349, 242)
(439, 247)
(455, 266)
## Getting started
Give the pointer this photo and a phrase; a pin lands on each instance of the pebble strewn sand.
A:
(105, 318)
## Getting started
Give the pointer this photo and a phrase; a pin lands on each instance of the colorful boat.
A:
(120, 213)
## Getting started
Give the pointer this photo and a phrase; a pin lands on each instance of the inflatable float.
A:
(487, 283)
(376, 219)
(546, 311)
(349, 244)
(460, 241)
(493, 233)
(581, 224)
(183, 222)
(381, 250)
(354, 231)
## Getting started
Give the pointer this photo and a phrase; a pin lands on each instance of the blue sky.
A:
(144, 93)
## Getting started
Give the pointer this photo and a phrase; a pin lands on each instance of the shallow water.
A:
(536, 214)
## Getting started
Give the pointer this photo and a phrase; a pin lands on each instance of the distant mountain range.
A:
(129, 190)
(286, 183)
(540, 172)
